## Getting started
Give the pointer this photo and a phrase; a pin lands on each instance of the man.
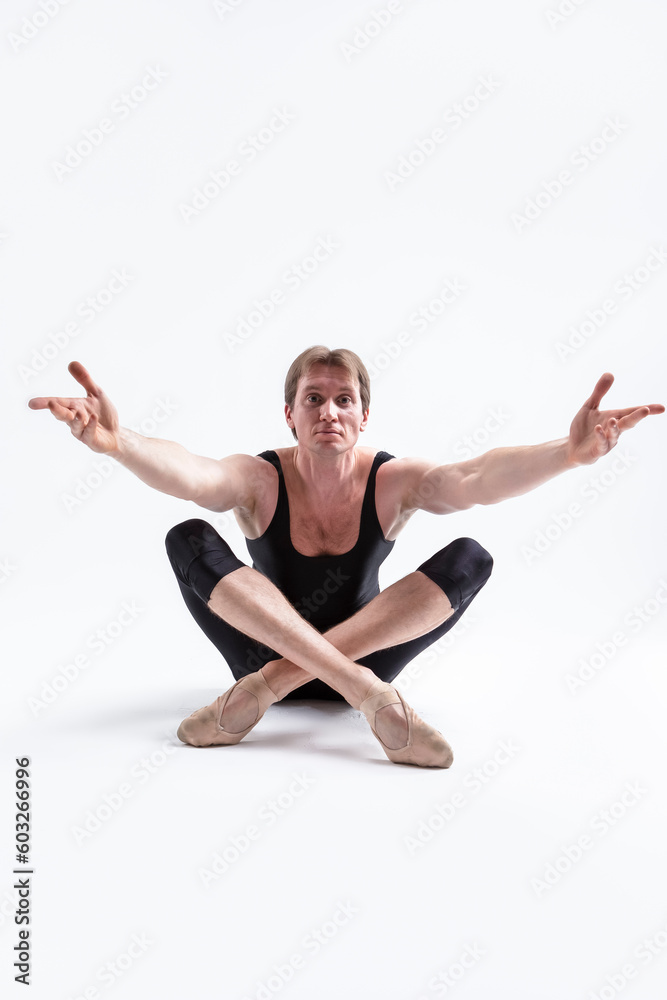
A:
(319, 518)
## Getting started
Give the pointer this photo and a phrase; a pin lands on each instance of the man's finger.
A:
(59, 411)
(602, 386)
(649, 407)
(88, 434)
(80, 417)
(72, 402)
(625, 423)
(82, 375)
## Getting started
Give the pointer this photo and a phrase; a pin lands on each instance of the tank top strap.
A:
(280, 520)
(370, 522)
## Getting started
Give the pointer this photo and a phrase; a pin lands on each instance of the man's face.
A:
(327, 410)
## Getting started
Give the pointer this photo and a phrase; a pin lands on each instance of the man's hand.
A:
(93, 420)
(594, 432)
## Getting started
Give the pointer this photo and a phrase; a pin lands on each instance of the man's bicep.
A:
(233, 481)
(437, 489)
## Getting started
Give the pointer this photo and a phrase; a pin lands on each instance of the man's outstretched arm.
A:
(508, 472)
(165, 465)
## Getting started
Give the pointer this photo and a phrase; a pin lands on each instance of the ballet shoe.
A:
(203, 729)
(426, 746)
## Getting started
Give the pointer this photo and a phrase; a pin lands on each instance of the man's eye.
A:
(313, 396)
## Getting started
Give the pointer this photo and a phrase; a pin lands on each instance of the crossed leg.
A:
(235, 605)
(405, 610)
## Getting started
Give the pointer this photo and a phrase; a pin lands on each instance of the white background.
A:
(560, 591)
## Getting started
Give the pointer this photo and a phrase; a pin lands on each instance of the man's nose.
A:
(327, 411)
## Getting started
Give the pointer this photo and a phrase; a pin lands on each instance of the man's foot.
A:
(423, 745)
(392, 726)
(239, 712)
(208, 726)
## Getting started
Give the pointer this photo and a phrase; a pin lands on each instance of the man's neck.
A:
(323, 476)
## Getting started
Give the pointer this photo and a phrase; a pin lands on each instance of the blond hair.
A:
(350, 362)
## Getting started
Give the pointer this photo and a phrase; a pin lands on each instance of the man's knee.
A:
(199, 556)
(187, 540)
(460, 569)
(473, 557)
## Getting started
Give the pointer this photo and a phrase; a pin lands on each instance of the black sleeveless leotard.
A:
(324, 589)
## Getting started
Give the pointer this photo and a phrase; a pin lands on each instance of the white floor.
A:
(303, 853)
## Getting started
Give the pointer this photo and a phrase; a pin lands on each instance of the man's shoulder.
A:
(406, 466)
(250, 473)
(400, 479)
(244, 462)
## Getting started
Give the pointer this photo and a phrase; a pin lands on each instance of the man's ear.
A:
(288, 416)
(364, 420)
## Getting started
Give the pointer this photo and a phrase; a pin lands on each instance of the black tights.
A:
(200, 558)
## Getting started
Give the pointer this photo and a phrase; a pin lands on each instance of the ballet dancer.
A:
(307, 618)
